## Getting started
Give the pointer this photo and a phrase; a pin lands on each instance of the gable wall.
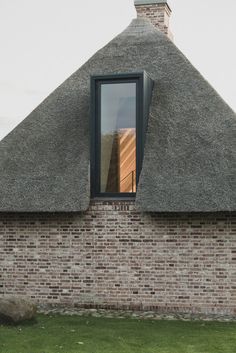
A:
(112, 256)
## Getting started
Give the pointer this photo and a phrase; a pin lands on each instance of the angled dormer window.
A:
(118, 124)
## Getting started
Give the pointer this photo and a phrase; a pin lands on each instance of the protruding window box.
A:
(120, 107)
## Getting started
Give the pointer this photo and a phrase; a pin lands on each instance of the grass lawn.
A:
(74, 334)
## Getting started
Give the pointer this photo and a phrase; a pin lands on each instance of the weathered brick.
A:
(158, 14)
(108, 257)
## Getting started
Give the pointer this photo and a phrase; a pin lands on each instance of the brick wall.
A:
(112, 256)
(158, 14)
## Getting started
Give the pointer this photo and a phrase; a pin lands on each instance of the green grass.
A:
(73, 334)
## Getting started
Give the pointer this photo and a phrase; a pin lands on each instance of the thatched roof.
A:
(190, 153)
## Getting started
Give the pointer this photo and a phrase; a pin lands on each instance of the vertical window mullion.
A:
(97, 151)
(137, 129)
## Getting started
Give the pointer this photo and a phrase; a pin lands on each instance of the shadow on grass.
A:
(6, 321)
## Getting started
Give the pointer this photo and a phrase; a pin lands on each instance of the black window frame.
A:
(95, 129)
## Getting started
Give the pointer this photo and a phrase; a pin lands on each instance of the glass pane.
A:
(118, 138)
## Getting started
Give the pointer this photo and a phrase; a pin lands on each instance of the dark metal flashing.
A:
(143, 94)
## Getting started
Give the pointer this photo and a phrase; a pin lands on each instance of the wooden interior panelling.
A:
(127, 163)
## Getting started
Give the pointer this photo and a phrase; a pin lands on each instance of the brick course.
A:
(158, 14)
(114, 257)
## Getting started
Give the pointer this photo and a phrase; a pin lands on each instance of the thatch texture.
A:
(190, 153)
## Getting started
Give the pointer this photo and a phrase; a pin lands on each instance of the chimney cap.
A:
(149, 2)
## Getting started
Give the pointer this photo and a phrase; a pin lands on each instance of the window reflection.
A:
(118, 138)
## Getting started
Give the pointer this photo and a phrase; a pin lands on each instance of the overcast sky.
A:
(45, 41)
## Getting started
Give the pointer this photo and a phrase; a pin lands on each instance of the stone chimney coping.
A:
(150, 2)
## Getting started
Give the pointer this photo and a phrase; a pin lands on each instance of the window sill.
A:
(114, 198)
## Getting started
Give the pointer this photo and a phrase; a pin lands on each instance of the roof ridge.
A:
(141, 25)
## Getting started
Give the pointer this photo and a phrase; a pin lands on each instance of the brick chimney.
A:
(157, 11)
